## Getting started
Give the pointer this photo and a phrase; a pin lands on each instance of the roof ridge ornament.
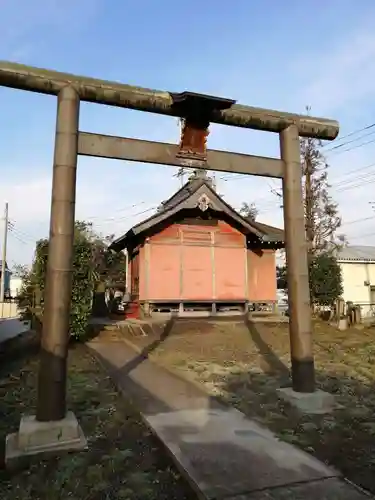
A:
(204, 202)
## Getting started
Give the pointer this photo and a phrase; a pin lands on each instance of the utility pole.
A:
(4, 255)
(180, 175)
(181, 171)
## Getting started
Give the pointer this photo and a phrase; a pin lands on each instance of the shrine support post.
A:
(51, 404)
(300, 327)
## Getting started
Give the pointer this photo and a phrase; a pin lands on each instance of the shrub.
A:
(83, 283)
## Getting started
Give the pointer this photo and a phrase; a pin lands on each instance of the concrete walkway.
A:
(12, 327)
(222, 453)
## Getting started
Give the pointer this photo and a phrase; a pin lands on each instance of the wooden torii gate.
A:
(197, 112)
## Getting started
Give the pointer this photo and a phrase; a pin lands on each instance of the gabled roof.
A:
(356, 253)
(276, 232)
(188, 197)
(186, 190)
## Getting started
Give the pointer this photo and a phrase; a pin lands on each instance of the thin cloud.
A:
(344, 76)
(22, 21)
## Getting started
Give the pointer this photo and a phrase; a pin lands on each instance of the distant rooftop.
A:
(357, 252)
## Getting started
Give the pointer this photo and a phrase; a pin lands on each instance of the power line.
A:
(335, 153)
(117, 219)
(356, 221)
(360, 236)
(117, 211)
(97, 217)
(352, 185)
(229, 176)
(24, 234)
(356, 170)
(346, 181)
(351, 134)
(353, 179)
(350, 142)
(17, 237)
(269, 204)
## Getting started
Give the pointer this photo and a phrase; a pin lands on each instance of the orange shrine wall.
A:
(196, 262)
(262, 276)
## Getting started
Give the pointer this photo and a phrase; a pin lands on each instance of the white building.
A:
(358, 274)
(15, 286)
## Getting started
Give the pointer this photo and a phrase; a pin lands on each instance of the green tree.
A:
(325, 279)
(83, 278)
(281, 277)
(27, 294)
(92, 263)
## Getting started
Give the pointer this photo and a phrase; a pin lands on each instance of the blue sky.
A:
(280, 55)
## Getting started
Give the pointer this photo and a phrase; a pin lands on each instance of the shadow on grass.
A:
(226, 468)
(344, 438)
(276, 365)
(255, 396)
(146, 351)
(123, 460)
(18, 349)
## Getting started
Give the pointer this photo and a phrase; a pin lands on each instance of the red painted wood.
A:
(190, 247)
(132, 310)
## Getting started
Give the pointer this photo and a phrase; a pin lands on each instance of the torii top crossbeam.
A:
(18, 76)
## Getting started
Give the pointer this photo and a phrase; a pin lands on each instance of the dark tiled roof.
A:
(266, 229)
(182, 194)
(190, 187)
(269, 233)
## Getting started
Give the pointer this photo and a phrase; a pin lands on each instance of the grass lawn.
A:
(244, 366)
(123, 461)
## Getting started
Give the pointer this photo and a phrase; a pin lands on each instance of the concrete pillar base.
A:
(317, 402)
(35, 437)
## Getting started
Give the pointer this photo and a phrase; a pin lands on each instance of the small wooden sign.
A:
(193, 142)
(196, 111)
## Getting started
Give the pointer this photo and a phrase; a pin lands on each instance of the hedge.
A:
(83, 281)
